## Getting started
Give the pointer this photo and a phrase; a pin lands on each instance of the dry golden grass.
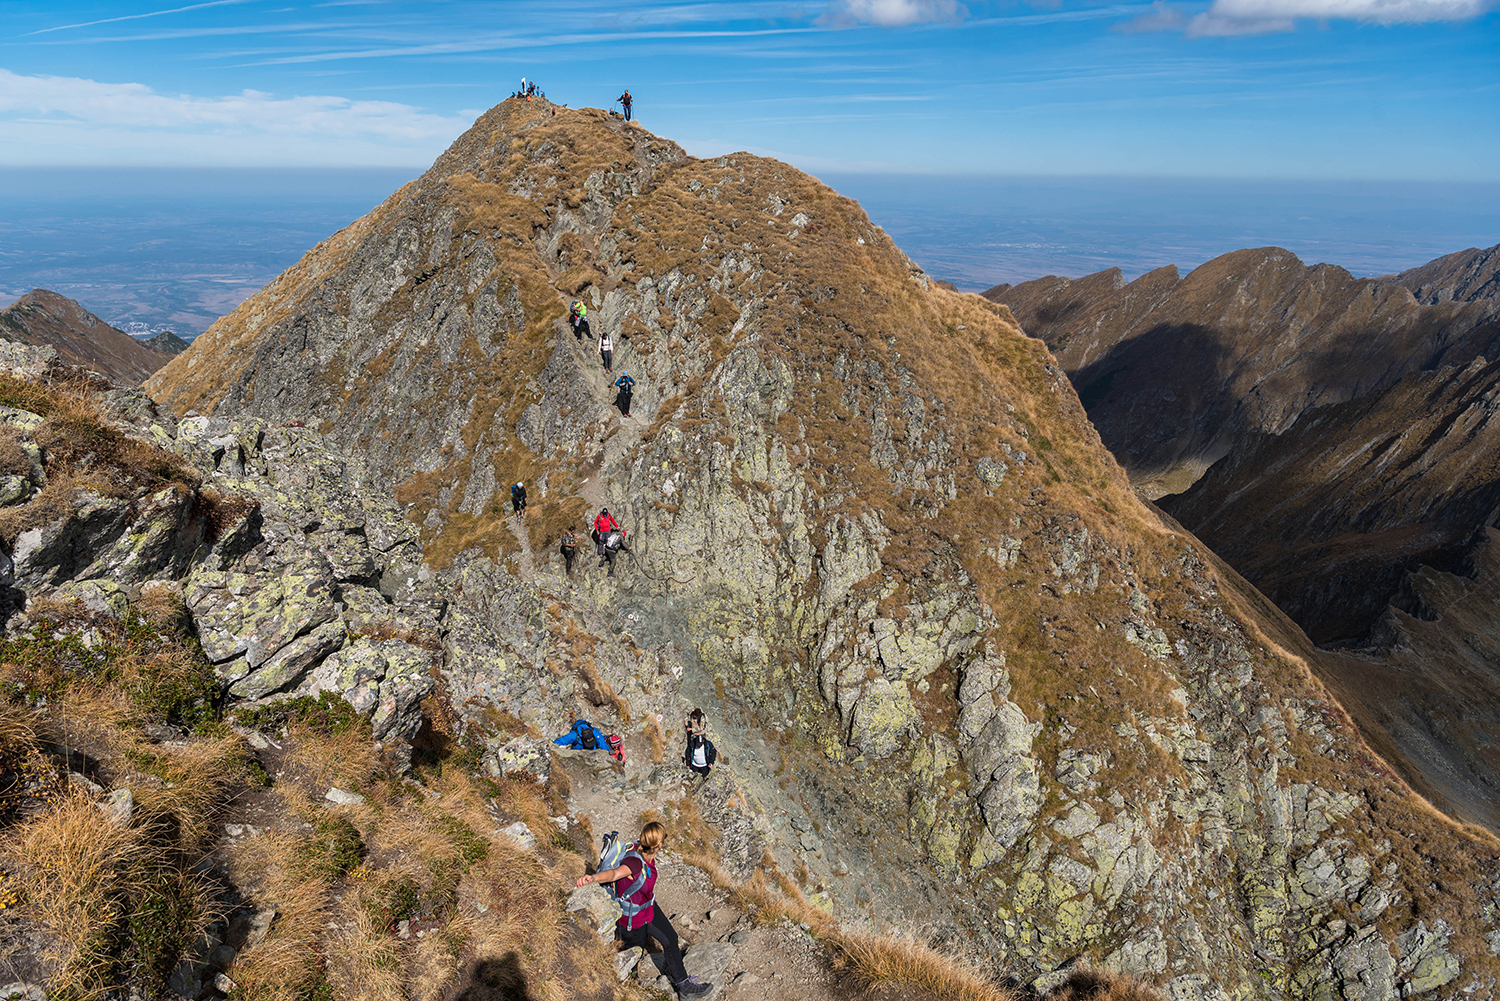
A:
(18, 730)
(364, 961)
(884, 960)
(80, 868)
(196, 778)
(285, 964)
(347, 760)
(1088, 984)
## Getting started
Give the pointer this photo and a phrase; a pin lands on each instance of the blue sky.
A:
(1357, 89)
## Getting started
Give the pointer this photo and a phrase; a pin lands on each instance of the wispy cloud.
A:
(891, 13)
(1259, 17)
(280, 126)
(136, 17)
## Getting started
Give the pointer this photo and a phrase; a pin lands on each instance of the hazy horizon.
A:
(177, 248)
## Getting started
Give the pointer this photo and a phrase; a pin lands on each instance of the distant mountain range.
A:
(1335, 440)
(45, 318)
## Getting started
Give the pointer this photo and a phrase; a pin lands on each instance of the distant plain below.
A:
(175, 249)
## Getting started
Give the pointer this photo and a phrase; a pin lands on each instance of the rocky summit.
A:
(960, 676)
(80, 338)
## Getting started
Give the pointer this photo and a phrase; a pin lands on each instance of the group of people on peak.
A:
(578, 319)
(528, 90)
(628, 871)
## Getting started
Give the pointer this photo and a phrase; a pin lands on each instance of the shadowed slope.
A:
(1175, 373)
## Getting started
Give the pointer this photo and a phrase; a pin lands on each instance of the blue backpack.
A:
(612, 854)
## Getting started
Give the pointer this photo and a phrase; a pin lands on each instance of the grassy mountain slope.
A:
(875, 519)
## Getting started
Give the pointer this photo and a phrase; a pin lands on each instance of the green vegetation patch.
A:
(327, 713)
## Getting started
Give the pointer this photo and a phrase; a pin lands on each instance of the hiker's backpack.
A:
(586, 738)
(710, 753)
(612, 854)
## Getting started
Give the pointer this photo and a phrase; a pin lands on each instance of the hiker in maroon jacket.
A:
(635, 890)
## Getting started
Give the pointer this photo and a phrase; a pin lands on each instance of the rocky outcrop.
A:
(1467, 276)
(1370, 524)
(1178, 372)
(42, 318)
(871, 525)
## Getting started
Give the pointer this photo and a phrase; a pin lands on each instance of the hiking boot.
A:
(692, 987)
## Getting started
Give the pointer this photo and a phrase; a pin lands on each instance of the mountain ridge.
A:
(874, 519)
(46, 318)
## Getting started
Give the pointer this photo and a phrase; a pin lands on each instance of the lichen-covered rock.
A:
(593, 907)
(521, 755)
(255, 614)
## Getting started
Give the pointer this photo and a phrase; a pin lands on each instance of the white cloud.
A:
(43, 118)
(891, 13)
(1254, 17)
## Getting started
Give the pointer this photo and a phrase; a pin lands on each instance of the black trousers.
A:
(569, 554)
(660, 929)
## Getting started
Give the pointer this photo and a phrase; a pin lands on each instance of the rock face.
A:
(980, 684)
(1467, 276)
(1177, 372)
(45, 318)
(1369, 523)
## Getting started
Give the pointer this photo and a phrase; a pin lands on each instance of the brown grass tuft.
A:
(80, 866)
(881, 960)
(1088, 984)
(347, 759)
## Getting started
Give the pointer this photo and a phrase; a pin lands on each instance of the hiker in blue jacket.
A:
(626, 385)
(583, 737)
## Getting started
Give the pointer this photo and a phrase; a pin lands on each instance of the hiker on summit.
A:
(569, 549)
(578, 316)
(603, 525)
(626, 385)
(518, 498)
(634, 887)
(625, 102)
(607, 352)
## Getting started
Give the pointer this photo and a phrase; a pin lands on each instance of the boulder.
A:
(256, 614)
(521, 756)
(593, 907)
(291, 663)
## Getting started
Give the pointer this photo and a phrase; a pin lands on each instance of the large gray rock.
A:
(593, 907)
(254, 613)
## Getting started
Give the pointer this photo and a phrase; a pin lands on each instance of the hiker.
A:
(617, 747)
(607, 352)
(625, 103)
(518, 498)
(614, 544)
(634, 887)
(626, 386)
(583, 737)
(700, 755)
(695, 724)
(569, 549)
(603, 525)
(578, 316)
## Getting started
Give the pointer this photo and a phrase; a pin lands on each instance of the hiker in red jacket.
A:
(603, 525)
